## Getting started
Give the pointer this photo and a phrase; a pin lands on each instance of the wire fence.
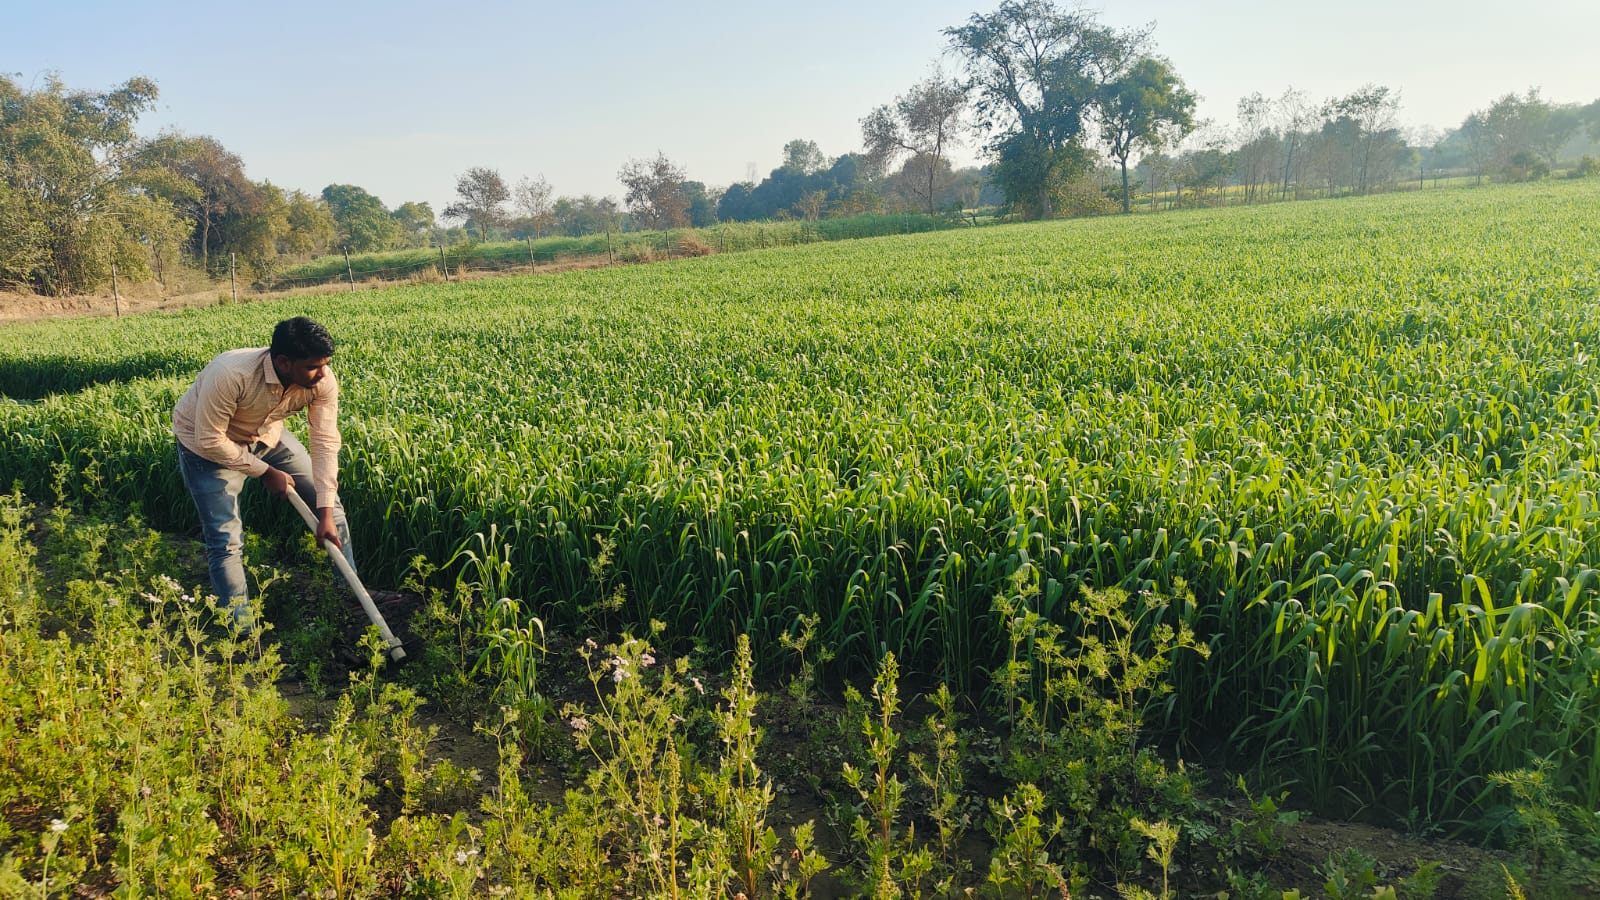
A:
(446, 263)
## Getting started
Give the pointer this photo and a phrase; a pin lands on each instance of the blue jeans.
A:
(215, 490)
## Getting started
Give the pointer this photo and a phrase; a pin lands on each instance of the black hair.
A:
(301, 338)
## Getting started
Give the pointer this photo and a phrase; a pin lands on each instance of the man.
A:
(229, 427)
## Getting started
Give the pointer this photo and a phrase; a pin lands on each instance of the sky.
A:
(400, 98)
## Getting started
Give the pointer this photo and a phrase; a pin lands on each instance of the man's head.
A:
(300, 351)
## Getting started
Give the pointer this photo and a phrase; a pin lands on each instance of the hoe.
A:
(396, 652)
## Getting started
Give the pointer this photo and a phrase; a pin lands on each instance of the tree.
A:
(702, 203)
(1296, 115)
(312, 229)
(1257, 154)
(804, 157)
(230, 213)
(534, 200)
(923, 122)
(655, 192)
(482, 191)
(365, 226)
(77, 192)
(1475, 133)
(1367, 120)
(1143, 108)
(415, 220)
(1036, 71)
(578, 216)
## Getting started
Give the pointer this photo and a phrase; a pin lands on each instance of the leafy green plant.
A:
(895, 864)
(1024, 838)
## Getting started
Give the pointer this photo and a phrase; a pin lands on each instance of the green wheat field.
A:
(1357, 440)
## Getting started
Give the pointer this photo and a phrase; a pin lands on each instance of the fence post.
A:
(116, 295)
(233, 278)
(532, 262)
(611, 257)
(349, 273)
(444, 263)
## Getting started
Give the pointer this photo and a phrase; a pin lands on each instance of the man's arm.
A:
(322, 415)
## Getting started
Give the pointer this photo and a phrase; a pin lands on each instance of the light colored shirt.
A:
(238, 400)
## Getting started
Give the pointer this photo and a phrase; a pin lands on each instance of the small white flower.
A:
(57, 826)
(461, 857)
(579, 724)
(589, 642)
(618, 674)
(697, 685)
(647, 660)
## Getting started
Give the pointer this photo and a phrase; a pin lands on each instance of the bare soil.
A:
(147, 297)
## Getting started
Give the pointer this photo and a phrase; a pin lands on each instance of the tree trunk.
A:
(1288, 166)
(205, 240)
(1125, 207)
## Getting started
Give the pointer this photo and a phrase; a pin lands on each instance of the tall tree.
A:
(1259, 144)
(1296, 115)
(76, 189)
(1036, 71)
(924, 122)
(655, 194)
(483, 193)
(231, 213)
(535, 200)
(1144, 107)
(1372, 114)
(365, 226)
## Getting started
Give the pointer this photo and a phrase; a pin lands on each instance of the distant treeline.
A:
(1073, 117)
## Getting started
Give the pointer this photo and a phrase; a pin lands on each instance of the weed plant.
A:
(147, 752)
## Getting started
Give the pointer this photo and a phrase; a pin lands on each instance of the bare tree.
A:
(1257, 144)
(925, 122)
(1374, 112)
(482, 192)
(536, 201)
(1296, 116)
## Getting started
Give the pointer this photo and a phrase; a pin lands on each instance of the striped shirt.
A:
(238, 400)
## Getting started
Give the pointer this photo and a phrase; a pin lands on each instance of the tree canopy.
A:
(483, 194)
(77, 190)
(655, 195)
(1036, 71)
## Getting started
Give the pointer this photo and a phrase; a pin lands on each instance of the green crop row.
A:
(1362, 432)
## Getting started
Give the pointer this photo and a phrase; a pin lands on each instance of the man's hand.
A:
(277, 481)
(326, 529)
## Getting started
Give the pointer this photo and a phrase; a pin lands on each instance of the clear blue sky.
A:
(400, 97)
